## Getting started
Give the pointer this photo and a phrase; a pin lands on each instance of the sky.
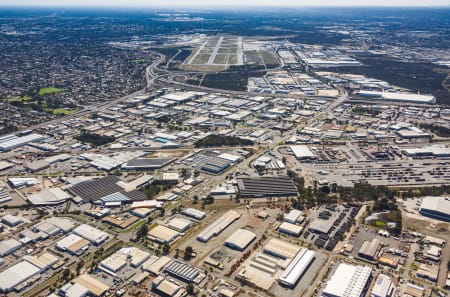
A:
(212, 3)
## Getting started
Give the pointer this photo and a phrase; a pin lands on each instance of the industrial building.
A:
(104, 190)
(52, 196)
(218, 225)
(9, 246)
(281, 249)
(436, 207)
(11, 220)
(162, 234)
(20, 275)
(369, 249)
(348, 280)
(178, 224)
(294, 216)
(240, 239)
(185, 272)
(428, 151)
(11, 141)
(167, 288)
(95, 286)
(194, 213)
(73, 244)
(120, 221)
(290, 229)
(321, 226)
(147, 163)
(142, 212)
(276, 186)
(119, 259)
(302, 152)
(297, 268)
(155, 264)
(94, 235)
(383, 287)
(428, 271)
(21, 182)
(397, 97)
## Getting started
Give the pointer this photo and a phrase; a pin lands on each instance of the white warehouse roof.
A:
(218, 225)
(297, 268)
(383, 287)
(92, 234)
(240, 239)
(16, 275)
(302, 152)
(348, 281)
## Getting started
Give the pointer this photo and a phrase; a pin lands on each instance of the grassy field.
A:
(138, 61)
(24, 98)
(63, 111)
(268, 58)
(201, 59)
(220, 59)
(50, 90)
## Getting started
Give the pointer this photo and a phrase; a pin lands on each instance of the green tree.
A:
(188, 253)
(165, 249)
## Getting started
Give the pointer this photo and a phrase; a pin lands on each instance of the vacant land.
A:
(50, 90)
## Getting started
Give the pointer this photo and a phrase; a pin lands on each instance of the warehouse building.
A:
(321, 226)
(281, 249)
(16, 275)
(218, 225)
(294, 216)
(5, 165)
(178, 224)
(167, 288)
(11, 141)
(276, 186)
(21, 182)
(146, 204)
(162, 234)
(240, 239)
(95, 286)
(290, 229)
(155, 264)
(119, 259)
(52, 196)
(142, 212)
(20, 275)
(436, 207)
(184, 272)
(428, 271)
(297, 268)
(11, 220)
(348, 280)
(72, 289)
(397, 97)
(9, 246)
(428, 151)
(104, 190)
(94, 235)
(383, 287)
(73, 244)
(147, 163)
(36, 166)
(194, 213)
(302, 152)
(369, 249)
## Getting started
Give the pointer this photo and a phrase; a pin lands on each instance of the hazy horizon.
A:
(231, 3)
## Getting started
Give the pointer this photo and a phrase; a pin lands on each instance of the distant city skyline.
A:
(196, 3)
